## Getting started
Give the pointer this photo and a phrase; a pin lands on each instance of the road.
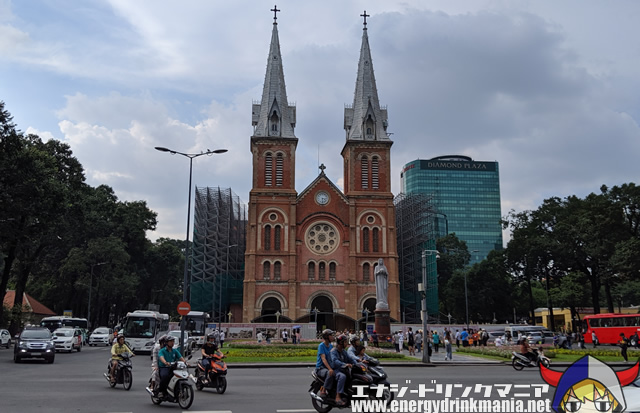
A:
(74, 383)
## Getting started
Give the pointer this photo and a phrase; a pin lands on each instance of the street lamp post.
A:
(185, 280)
(422, 287)
(220, 284)
(90, 288)
(466, 297)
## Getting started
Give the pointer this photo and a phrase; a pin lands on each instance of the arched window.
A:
(332, 271)
(276, 237)
(321, 271)
(274, 122)
(364, 166)
(266, 270)
(267, 237)
(366, 272)
(312, 270)
(279, 166)
(365, 240)
(374, 172)
(277, 266)
(376, 240)
(268, 169)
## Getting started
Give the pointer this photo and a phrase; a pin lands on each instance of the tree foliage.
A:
(54, 229)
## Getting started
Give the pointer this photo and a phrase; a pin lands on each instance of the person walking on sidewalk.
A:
(411, 342)
(624, 344)
(418, 340)
(448, 346)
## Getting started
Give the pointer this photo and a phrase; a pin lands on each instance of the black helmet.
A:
(326, 333)
(353, 338)
(341, 339)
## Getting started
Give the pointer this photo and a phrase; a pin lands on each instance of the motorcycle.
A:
(217, 377)
(358, 375)
(122, 373)
(178, 390)
(519, 361)
(379, 377)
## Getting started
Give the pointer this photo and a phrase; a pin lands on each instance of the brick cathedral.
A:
(311, 256)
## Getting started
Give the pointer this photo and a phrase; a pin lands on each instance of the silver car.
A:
(101, 336)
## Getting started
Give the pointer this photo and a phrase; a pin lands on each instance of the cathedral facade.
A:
(311, 256)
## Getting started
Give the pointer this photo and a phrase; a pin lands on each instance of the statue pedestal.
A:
(383, 324)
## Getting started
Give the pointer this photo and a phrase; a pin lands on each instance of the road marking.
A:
(295, 410)
(209, 411)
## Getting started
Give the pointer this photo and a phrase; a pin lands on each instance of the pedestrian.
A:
(418, 340)
(259, 337)
(374, 339)
(594, 339)
(624, 344)
(411, 342)
(394, 340)
(400, 341)
(464, 337)
(365, 338)
(633, 340)
(221, 339)
(457, 338)
(268, 337)
(298, 336)
(436, 341)
(285, 336)
(447, 346)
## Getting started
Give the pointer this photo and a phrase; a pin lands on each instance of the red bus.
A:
(609, 326)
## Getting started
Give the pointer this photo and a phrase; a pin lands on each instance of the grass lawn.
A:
(278, 353)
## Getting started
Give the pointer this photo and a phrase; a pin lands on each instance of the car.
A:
(67, 339)
(188, 340)
(101, 335)
(34, 342)
(5, 338)
(495, 334)
(535, 337)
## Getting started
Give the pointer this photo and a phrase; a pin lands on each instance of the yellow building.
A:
(562, 316)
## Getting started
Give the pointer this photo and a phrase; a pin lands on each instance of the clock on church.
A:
(322, 198)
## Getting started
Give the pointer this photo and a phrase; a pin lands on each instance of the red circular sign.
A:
(184, 308)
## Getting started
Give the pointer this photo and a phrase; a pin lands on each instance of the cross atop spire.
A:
(275, 11)
(365, 15)
(322, 168)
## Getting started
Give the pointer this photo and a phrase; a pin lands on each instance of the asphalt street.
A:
(75, 383)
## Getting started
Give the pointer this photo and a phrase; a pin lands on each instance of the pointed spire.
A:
(365, 119)
(274, 116)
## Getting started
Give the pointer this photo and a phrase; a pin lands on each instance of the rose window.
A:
(322, 238)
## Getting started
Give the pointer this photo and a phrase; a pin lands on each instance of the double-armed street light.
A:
(185, 282)
(422, 287)
(90, 288)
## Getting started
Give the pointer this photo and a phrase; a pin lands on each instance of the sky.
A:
(549, 89)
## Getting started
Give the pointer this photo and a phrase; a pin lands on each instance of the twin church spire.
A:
(275, 117)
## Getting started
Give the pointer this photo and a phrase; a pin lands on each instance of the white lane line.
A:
(210, 411)
(295, 410)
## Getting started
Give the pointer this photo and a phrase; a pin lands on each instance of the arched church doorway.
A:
(270, 307)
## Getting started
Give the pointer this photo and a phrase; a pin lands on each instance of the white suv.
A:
(101, 335)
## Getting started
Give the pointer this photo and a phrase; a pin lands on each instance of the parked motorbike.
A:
(357, 375)
(123, 372)
(178, 390)
(379, 377)
(519, 361)
(217, 376)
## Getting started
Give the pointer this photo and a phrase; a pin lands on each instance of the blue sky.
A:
(548, 89)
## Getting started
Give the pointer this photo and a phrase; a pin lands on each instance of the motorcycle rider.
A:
(208, 350)
(525, 349)
(354, 340)
(340, 361)
(323, 361)
(155, 376)
(118, 348)
(166, 356)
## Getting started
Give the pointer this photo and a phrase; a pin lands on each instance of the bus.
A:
(609, 326)
(196, 325)
(143, 328)
(55, 322)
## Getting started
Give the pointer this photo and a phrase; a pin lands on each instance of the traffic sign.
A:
(184, 308)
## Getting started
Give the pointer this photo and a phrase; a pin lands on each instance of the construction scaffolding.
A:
(219, 243)
(416, 233)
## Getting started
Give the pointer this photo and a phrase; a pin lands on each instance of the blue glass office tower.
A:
(466, 194)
